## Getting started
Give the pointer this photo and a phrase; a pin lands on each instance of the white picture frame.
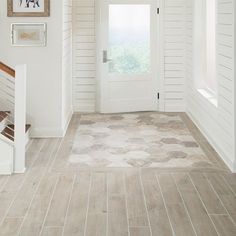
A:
(29, 34)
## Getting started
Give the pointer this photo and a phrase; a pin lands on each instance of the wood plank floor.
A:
(52, 198)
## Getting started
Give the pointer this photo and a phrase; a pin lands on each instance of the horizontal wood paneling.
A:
(174, 55)
(84, 84)
(216, 122)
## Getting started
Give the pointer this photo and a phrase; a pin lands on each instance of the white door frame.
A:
(99, 46)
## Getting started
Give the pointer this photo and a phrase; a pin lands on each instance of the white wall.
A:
(174, 55)
(44, 78)
(217, 123)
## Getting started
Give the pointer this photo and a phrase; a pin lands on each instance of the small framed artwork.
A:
(28, 8)
(29, 34)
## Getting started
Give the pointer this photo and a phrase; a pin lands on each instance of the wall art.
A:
(28, 8)
(29, 34)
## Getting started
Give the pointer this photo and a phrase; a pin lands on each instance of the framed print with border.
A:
(28, 8)
(28, 34)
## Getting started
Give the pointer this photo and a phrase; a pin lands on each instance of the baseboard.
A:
(20, 171)
(175, 108)
(84, 108)
(47, 132)
(221, 153)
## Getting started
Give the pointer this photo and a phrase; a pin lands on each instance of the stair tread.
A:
(9, 131)
(3, 115)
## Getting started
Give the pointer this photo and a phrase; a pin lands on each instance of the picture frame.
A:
(29, 34)
(28, 8)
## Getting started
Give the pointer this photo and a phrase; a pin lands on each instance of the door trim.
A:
(99, 46)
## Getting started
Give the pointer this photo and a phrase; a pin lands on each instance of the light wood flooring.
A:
(53, 198)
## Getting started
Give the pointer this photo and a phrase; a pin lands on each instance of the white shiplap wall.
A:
(84, 88)
(174, 55)
(66, 60)
(84, 54)
(216, 122)
(189, 42)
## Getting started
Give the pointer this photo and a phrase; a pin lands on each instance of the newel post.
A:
(20, 119)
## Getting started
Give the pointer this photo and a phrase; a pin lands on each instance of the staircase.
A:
(14, 132)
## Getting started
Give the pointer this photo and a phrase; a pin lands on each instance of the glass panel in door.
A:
(129, 39)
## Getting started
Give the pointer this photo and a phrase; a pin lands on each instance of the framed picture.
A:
(28, 8)
(29, 34)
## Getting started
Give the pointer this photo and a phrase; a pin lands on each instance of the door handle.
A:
(104, 57)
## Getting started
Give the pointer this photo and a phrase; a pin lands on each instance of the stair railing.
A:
(13, 101)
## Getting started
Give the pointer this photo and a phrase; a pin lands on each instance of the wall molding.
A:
(47, 132)
(20, 172)
(90, 108)
(220, 152)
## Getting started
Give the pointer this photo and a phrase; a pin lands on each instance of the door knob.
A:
(105, 59)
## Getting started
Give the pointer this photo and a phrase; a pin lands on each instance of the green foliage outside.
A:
(129, 59)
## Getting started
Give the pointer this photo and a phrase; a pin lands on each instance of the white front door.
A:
(128, 55)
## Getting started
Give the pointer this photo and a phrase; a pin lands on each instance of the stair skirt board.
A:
(7, 144)
(6, 158)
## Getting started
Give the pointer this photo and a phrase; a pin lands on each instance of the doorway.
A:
(127, 55)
